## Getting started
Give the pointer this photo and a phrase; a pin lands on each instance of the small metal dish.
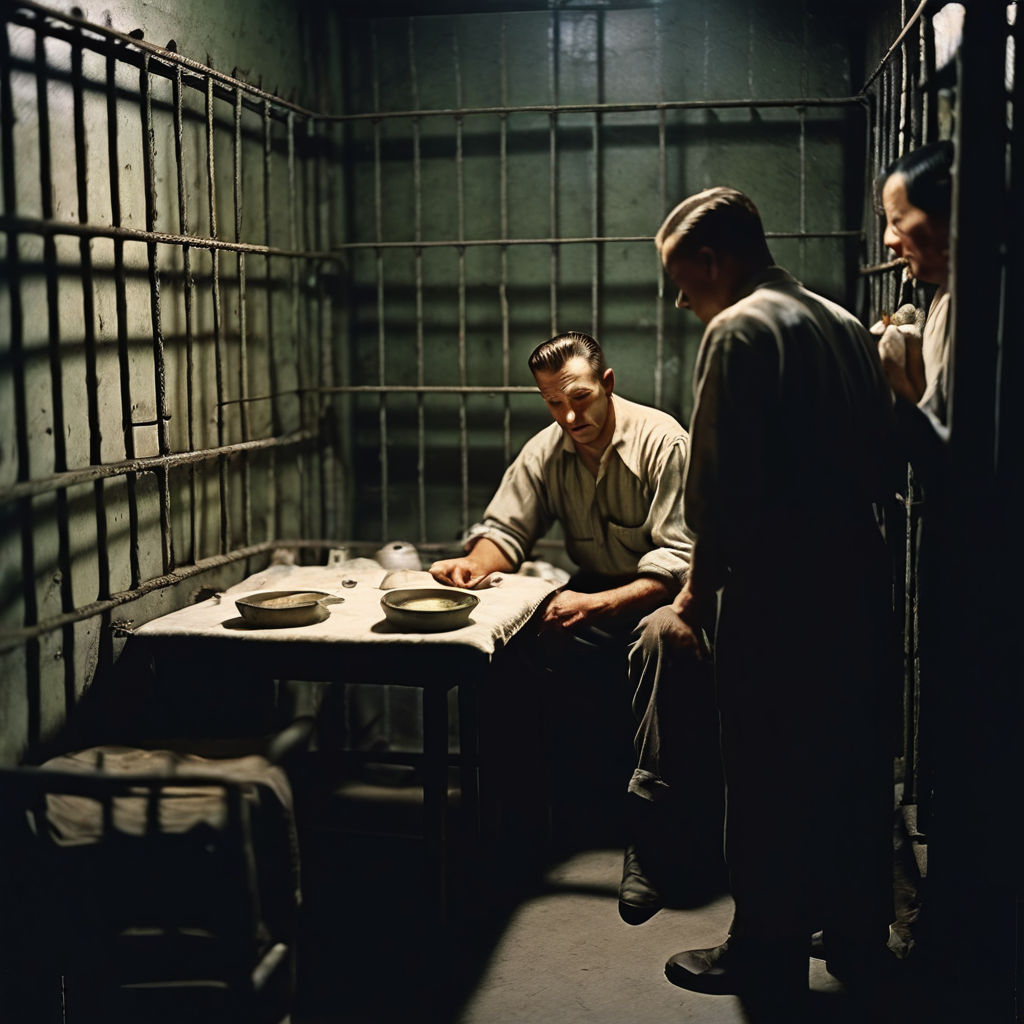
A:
(428, 609)
(273, 609)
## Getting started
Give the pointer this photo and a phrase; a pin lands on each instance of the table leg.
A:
(435, 790)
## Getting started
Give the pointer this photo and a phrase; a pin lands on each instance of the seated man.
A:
(610, 472)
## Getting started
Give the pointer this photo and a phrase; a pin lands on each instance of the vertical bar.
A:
(218, 328)
(417, 187)
(188, 286)
(243, 352)
(460, 199)
(296, 335)
(120, 285)
(156, 318)
(327, 456)
(378, 204)
(596, 183)
(555, 38)
(506, 368)
(268, 287)
(12, 268)
(802, 154)
(659, 311)
(62, 574)
(89, 317)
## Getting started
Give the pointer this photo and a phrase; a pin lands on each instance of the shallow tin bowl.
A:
(428, 609)
(273, 609)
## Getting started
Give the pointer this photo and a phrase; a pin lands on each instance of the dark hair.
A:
(553, 354)
(729, 222)
(927, 172)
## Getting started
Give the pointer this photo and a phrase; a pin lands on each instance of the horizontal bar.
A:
(605, 108)
(878, 268)
(38, 226)
(387, 389)
(61, 481)
(575, 240)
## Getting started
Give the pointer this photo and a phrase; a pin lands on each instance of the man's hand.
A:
(458, 572)
(568, 608)
(675, 631)
(902, 354)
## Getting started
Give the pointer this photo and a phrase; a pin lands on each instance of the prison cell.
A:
(237, 321)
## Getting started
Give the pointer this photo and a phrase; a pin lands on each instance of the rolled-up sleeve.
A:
(518, 514)
(666, 524)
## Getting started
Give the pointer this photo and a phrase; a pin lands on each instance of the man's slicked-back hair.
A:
(723, 219)
(551, 355)
(928, 174)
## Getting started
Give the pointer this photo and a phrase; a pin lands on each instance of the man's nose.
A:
(682, 302)
(891, 240)
(570, 416)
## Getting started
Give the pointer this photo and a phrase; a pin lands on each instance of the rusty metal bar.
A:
(39, 226)
(659, 306)
(378, 222)
(88, 322)
(605, 108)
(268, 282)
(218, 317)
(192, 549)
(243, 321)
(554, 240)
(156, 319)
(460, 207)
(152, 464)
(417, 189)
(553, 175)
(120, 280)
(506, 349)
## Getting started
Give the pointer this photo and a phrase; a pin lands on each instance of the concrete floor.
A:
(554, 951)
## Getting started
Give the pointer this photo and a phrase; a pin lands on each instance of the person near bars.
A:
(789, 439)
(916, 194)
(610, 472)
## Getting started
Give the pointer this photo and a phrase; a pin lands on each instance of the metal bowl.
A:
(273, 609)
(428, 609)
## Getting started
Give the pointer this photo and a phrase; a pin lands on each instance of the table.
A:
(356, 643)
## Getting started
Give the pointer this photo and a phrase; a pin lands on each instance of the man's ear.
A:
(608, 380)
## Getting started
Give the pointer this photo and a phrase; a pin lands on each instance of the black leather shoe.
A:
(711, 971)
(773, 970)
(639, 900)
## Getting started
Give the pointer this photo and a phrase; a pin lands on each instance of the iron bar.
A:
(46, 228)
(148, 464)
(506, 357)
(605, 108)
(659, 306)
(378, 218)
(243, 320)
(156, 319)
(460, 206)
(37, 226)
(188, 296)
(89, 324)
(417, 188)
(218, 316)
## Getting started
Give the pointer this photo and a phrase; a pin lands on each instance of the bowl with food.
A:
(428, 609)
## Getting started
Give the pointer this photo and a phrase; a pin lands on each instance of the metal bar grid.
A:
(149, 495)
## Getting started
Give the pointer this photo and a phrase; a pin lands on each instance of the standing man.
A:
(610, 472)
(788, 445)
